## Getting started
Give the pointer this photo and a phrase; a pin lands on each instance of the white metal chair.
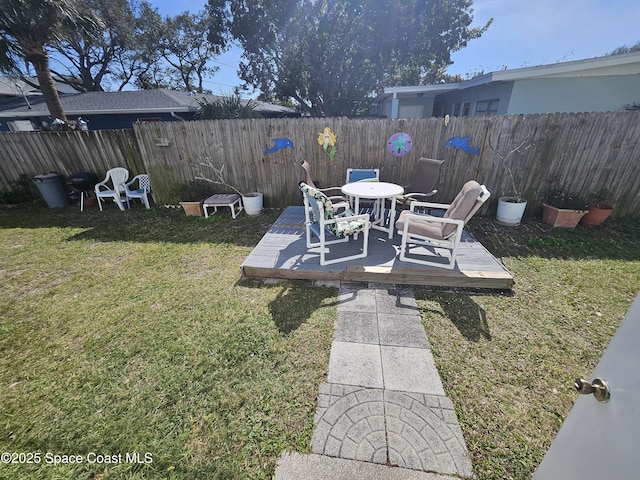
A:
(117, 177)
(424, 230)
(142, 192)
(338, 201)
(331, 228)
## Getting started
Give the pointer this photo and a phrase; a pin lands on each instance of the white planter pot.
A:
(252, 203)
(510, 212)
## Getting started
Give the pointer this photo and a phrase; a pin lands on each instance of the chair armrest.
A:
(417, 194)
(101, 184)
(438, 206)
(329, 189)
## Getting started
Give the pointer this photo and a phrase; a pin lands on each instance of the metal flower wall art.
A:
(327, 139)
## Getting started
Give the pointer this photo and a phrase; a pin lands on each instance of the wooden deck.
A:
(282, 254)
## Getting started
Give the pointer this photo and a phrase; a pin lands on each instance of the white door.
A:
(602, 440)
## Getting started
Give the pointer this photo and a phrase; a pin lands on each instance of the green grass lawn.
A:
(508, 362)
(133, 332)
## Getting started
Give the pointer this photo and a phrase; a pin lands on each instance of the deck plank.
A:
(282, 254)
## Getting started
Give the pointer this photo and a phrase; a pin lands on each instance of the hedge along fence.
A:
(588, 151)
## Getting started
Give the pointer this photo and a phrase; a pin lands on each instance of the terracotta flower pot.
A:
(192, 208)
(561, 218)
(596, 215)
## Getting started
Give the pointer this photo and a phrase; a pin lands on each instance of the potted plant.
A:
(252, 202)
(561, 207)
(599, 209)
(511, 207)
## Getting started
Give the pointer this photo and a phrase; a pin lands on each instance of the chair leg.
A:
(119, 202)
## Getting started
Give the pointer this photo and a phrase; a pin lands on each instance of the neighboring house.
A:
(114, 110)
(15, 87)
(600, 84)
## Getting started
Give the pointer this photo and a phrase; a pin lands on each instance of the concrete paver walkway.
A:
(383, 402)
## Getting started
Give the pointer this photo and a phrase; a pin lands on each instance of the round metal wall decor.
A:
(399, 144)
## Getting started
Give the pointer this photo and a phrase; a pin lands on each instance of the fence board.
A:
(589, 151)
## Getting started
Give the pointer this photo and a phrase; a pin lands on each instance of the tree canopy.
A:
(27, 27)
(331, 56)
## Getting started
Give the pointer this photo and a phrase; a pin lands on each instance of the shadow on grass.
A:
(138, 224)
(294, 305)
(468, 317)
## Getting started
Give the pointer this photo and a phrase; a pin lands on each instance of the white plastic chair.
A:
(117, 177)
(142, 192)
(439, 232)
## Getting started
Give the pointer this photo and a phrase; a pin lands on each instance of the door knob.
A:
(598, 387)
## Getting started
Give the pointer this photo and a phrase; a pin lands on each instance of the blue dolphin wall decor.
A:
(279, 144)
(463, 143)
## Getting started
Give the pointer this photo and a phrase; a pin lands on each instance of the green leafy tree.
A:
(27, 27)
(188, 48)
(132, 65)
(331, 56)
(114, 52)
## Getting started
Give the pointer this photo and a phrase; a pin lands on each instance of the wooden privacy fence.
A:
(588, 151)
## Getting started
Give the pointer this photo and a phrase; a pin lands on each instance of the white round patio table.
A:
(377, 191)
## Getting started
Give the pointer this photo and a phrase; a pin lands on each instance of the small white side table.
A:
(231, 200)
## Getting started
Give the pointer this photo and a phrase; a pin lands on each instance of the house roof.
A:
(16, 87)
(623, 64)
(125, 102)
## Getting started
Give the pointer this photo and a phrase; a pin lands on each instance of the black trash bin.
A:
(52, 188)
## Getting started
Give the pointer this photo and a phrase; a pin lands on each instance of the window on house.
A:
(487, 107)
(456, 110)
(466, 109)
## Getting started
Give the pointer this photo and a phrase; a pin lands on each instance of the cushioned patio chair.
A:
(423, 181)
(429, 233)
(142, 192)
(338, 201)
(331, 228)
(112, 186)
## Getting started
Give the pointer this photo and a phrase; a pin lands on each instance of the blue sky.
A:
(523, 34)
